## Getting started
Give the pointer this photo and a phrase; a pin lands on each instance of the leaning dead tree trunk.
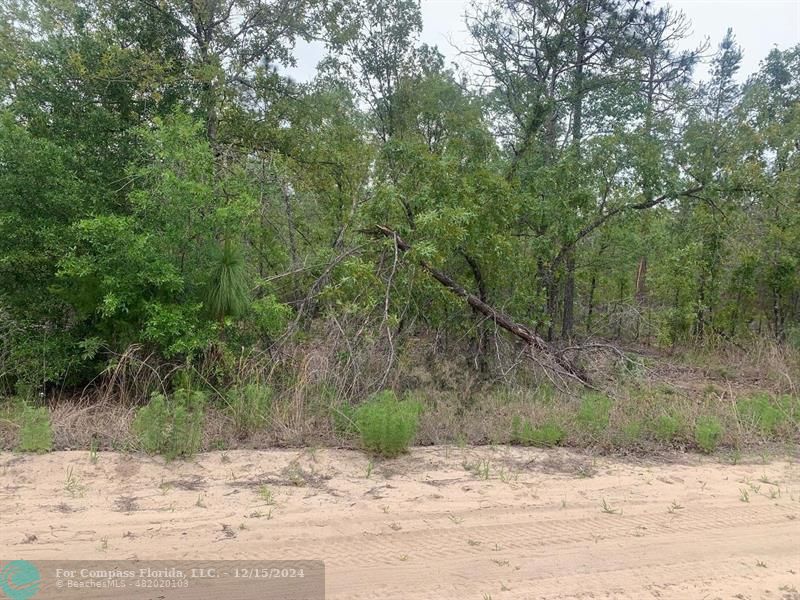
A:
(556, 360)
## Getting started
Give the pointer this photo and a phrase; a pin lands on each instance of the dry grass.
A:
(650, 394)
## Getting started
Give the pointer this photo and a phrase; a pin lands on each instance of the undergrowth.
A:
(637, 413)
(171, 425)
(387, 425)
(544, 435)
(707, 433)
(35, 434)
(248, 406)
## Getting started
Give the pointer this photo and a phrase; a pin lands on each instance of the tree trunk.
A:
(641, 291)
(551, 286)
(481, 333)
(777, 316)
(589, 314)
(641, 280)
(569, 296)
(577, 137)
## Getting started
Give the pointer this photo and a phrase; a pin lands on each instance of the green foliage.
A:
(248, 406)
(40, 199)
(387, 425)
(228, 291)
(594, 412)
(545, 435)
(171, 425)
(35, 432)
(708, 433)
(34, 357)
(173, 193)
(667, 427)
(270, 316)
(767, 414)
(159, 274)
(178, 329)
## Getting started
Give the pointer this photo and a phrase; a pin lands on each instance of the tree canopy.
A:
(163, 184)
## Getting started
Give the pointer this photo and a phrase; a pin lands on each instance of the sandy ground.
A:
(499, 523)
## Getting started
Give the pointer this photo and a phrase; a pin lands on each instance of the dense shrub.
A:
(387, 426)
(171, 425)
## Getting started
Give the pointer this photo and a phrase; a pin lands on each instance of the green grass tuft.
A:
(248, 406)
(766, 414)
(594, 412)
(545, 435)
(344, 420)
(631, 433)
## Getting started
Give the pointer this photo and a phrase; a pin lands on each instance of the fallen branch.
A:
(558, 362)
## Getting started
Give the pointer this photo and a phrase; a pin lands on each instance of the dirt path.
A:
(500, 523)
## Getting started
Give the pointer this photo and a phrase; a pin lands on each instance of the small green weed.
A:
(266, 495)
(93, 451)
(481, 469)
(73, 485)
(674, 507)
(606, 508)
(455, 519)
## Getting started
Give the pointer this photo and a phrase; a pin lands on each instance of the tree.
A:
(231, 41)
(373, 42)
(710, 145)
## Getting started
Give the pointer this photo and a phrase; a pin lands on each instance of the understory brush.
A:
(171, 425)
(248, 406)
(35, 433)
(544, 435)
(309, 400)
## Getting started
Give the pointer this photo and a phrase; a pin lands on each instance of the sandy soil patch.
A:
(438, 523)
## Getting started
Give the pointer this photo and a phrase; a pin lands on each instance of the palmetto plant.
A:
(228, 293)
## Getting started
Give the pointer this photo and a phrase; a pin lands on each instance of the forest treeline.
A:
(166, 189)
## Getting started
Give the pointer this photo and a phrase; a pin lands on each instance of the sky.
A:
(759, 26)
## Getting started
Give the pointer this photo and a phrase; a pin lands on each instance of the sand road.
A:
(439, 523)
